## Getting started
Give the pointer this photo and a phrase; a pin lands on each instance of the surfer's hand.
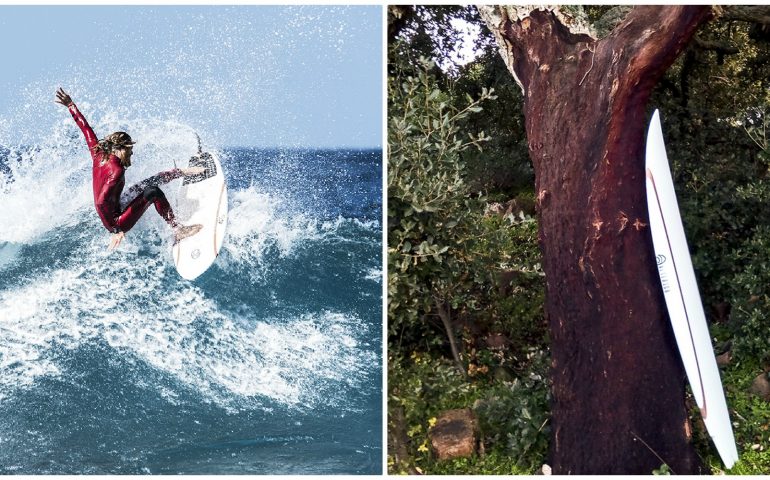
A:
(63, 98)
(192, 171)
(115, 240)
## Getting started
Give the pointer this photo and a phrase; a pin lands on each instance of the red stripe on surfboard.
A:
(216, 219)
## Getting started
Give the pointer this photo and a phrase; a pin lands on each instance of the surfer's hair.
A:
(112, 142)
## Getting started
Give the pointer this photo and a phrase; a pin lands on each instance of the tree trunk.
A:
(444, 314)
(618, 384)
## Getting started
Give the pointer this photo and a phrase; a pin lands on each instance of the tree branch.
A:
(496, 18)
(446, 320)
(745, 13)
(398, 17)
(654, 36)
(721, 48)
(547, 32)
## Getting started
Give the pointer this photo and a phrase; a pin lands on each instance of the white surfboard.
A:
(682, 297)
(202, 199)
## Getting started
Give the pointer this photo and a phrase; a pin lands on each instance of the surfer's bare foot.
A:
(184, 231)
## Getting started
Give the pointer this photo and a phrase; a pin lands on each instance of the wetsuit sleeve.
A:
(88, 132)
(104, 205)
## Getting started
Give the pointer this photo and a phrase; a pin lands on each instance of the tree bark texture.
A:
(618, 384)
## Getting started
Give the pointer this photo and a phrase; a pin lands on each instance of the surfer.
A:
(111, 156)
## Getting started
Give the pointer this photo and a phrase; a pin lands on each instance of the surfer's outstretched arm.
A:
(63, 98)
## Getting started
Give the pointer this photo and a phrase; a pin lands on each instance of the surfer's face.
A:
(124, 154)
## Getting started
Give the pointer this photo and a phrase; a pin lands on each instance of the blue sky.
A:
(289, 76)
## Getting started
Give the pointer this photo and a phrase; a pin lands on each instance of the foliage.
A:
(503, 170)
(514, 418)
(751, 424)
(750, 298)
(430, 210)
(432, 33)
(446, 250)
(493, 463)
(443, 249)
(424, 386)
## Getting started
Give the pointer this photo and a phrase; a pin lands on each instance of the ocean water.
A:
(269, 363)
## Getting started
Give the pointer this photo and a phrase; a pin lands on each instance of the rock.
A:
(512, 207)
(761, 387)
(455, 434)
(494, 208)
(724, 359)
(520, 204)
(496, 341)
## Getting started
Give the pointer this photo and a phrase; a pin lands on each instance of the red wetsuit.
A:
(109, 180)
